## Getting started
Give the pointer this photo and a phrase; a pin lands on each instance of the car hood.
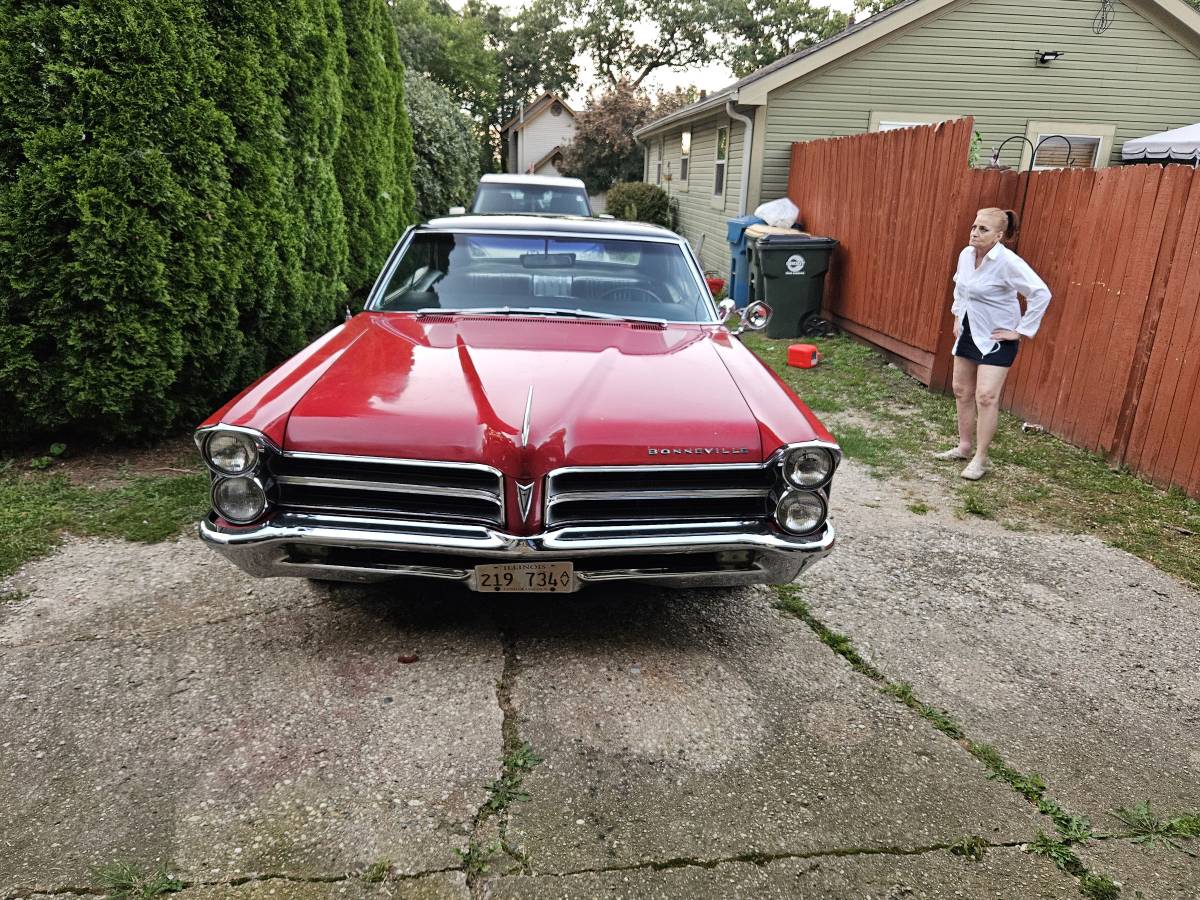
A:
(526, 394)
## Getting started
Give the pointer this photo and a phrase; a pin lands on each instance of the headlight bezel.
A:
(797, 494)
(261, 446)
(817, 450)
(263, 506)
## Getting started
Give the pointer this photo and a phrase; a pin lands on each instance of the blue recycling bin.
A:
(739, 259)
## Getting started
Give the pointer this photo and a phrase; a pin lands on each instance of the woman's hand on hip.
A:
(1001, 335)
(957, 328)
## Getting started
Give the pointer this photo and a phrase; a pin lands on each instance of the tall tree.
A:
(682, 35)
(604, 151)
(445, 46)
(762, 31)
(373, 160)
(534, 52)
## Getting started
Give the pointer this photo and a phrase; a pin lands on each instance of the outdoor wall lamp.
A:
(1044, 57)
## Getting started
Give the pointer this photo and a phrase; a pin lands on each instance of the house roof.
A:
(522, 118)
(1174, 16)
(545, 159)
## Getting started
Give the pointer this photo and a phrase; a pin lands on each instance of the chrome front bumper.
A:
(344, 548)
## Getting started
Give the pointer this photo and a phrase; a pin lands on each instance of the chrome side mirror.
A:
(725, 309)
(754, 317)
(458, 210)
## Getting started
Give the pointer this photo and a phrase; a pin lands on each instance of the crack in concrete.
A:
(516, 760)
(90, 891)
(759, 858)
(1030, 787)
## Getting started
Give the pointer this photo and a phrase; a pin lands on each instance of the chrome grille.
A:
(655, 494)
(388, 488)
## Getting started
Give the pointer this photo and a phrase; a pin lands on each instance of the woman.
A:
(988, 327)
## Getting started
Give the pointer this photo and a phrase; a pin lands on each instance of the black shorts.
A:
(1001, 356)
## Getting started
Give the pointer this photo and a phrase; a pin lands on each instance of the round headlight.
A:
(800, 512)
(232, 452)
(807, 467)
(239, 500)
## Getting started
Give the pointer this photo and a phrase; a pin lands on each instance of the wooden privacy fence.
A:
(1115, 367)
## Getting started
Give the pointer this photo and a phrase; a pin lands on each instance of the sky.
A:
(710, 78)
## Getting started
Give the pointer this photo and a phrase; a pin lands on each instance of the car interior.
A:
(618, 278)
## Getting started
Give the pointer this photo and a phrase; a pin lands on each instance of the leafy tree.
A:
(446, 47)
(873, 7)
(373, 160)
(762, 31)
(534, 51)
(683, 35)
(604, 151)
(666, 102)
(446, 169)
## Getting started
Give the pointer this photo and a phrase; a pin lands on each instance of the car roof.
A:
(550, 225)
(539, 180)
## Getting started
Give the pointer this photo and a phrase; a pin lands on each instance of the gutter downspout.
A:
(747, 142)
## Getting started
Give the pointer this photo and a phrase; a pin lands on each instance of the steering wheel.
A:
(626, 291)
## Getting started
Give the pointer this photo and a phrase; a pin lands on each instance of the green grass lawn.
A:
(36, 507)
(890, 422)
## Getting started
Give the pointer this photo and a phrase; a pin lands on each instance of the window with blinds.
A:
(1056, 153)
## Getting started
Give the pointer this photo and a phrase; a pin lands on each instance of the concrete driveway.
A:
(273, 738)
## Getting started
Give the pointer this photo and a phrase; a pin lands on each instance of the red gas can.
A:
(803, 356)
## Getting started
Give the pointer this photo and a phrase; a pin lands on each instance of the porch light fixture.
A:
(1045, 57)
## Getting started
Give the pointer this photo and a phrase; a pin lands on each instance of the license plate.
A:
(547, 577)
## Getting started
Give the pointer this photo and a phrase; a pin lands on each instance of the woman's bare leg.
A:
(989, 382)
(964, 400)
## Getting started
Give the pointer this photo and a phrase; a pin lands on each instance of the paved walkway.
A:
(271, 738)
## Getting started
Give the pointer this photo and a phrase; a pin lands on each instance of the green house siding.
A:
(699, 212)
(976, 58)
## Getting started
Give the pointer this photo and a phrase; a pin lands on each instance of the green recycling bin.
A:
(787, 272)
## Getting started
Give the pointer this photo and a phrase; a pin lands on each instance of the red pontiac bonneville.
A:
(525, 404)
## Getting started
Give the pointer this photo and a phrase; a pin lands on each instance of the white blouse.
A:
(988, 296)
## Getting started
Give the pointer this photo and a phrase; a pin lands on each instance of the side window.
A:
(722, 160)
(685, 153)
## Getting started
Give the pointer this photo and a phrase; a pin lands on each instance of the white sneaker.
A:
(952, 453)
(975, 470)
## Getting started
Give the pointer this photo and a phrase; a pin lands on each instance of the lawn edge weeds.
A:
(1069, 829)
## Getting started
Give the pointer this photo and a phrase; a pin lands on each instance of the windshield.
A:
(529, 198)
(596, 276)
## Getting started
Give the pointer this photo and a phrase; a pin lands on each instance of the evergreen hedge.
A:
(181, 186)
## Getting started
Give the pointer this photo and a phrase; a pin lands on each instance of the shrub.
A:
(639, 202)
(446, 168)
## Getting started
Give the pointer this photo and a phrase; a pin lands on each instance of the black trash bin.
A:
(787, 272)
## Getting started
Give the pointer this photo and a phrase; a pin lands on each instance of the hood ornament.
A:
(524, 499)
(525, 423)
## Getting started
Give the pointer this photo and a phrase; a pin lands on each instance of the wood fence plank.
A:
(1163, 427)
(1130, 313)
(1139, 392)
(1086, 411)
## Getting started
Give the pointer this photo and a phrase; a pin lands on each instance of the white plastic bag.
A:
(781, 213)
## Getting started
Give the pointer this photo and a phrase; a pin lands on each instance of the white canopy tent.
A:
(1181, 144)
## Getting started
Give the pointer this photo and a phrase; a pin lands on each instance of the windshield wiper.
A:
(538, 311)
